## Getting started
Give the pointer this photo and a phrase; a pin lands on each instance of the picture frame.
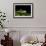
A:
(22, 10)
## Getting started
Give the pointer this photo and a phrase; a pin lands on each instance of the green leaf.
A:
(0, 21)
(0, 12)
(2, 26)
(4, 13)
(1, 16)
(3, 19)
(4, 16)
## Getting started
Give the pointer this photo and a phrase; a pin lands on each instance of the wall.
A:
(39, 13)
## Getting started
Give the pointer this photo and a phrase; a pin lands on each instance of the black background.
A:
(23, 7)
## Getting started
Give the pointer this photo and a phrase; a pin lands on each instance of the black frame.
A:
(14, 4)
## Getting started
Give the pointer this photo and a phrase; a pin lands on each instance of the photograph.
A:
(22, 10)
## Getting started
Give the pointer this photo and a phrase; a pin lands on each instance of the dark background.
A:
(23, 7)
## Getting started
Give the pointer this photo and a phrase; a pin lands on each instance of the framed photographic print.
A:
(22, 9)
